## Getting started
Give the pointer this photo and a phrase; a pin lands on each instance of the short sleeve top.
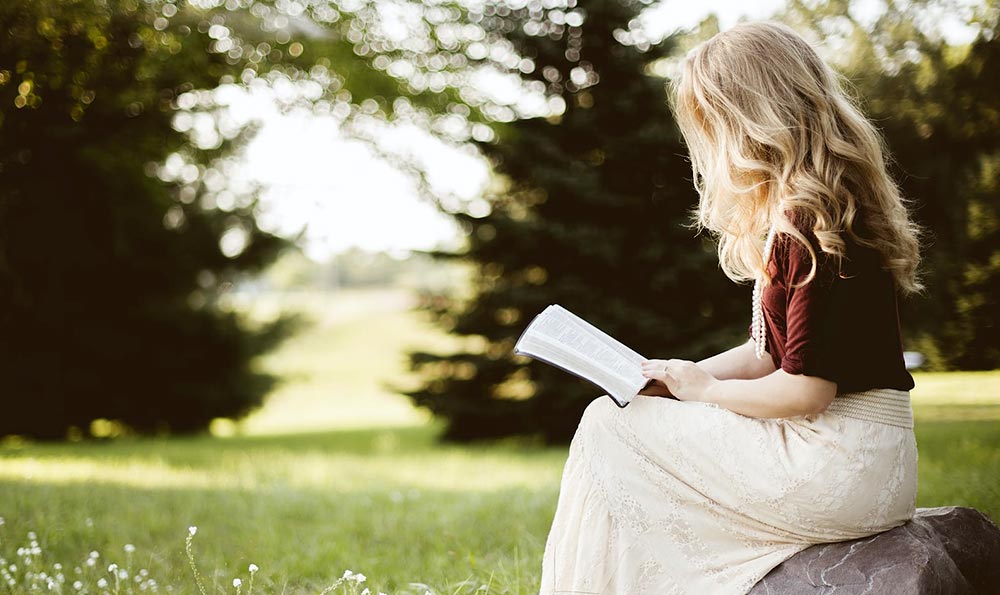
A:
(843, 325)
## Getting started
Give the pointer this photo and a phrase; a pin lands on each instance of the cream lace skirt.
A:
(668, 497)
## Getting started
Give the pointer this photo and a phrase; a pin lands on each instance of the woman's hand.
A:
(683, 379)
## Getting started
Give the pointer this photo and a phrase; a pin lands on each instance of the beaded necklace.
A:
(758, 328)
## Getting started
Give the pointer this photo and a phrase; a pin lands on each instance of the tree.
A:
(593, 215)
(119, 235)
(940, 114)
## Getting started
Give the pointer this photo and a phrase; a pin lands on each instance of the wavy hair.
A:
(774, 140)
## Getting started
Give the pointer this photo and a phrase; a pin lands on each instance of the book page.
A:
(585, 340)
(603, 337)
(598, 335)
(551, 351)
(559, 337)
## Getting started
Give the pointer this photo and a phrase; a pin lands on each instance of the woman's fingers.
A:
(656, 374)
(660, 369)
(677, 375)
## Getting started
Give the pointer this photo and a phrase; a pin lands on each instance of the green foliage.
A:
(594, 216)
(939, 111)
(110, 277)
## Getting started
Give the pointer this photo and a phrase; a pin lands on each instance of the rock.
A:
(944, 551)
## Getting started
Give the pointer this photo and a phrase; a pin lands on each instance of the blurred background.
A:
(254, 254)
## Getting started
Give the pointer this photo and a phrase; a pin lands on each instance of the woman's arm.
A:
(738, 363)
(778, 394)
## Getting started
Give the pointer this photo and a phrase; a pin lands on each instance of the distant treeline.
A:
(356, 267)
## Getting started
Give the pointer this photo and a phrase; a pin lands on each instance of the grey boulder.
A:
(945, 551)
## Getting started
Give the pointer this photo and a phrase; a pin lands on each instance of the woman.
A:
(802, 435)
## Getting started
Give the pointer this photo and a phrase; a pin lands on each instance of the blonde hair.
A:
(774, 140)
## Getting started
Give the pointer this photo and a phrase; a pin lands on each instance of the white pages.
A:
(563, 339)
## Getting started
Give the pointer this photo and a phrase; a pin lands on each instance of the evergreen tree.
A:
(118, 234)
(938, 109)
(594, 215)
(947, 140)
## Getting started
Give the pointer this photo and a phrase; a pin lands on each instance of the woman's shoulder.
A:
(796, 250)
(802, 257)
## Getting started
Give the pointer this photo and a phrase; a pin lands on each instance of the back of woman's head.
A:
(774, 139)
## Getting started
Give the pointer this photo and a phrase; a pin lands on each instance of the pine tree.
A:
(594, 215)
(119, 236)
(939, 111)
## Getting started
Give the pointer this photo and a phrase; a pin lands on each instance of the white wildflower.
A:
(237, 583)
(91, 562)
(94, 554)
(366, 592)
(360, 578)
(348, 575)
(112, 567)
(1, 521)
(102, 583)
(77, 585)
(192, 530)
(253, 568)
(57, 566)
(129, 548)
(123, 574)
(32, 536)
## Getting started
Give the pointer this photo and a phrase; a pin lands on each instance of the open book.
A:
(563, 339)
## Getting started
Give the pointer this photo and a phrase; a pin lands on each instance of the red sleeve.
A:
(810, 311)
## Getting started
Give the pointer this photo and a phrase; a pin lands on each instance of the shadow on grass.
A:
(410, 439)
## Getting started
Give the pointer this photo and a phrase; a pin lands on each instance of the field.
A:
(338, 473)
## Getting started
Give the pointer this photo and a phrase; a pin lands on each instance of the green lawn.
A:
(373, 493)
(387, 502)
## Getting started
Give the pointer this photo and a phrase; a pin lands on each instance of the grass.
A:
(373, 492)
(343, 370)
(389, 502)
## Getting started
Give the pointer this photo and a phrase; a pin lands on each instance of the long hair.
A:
(774, 140)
